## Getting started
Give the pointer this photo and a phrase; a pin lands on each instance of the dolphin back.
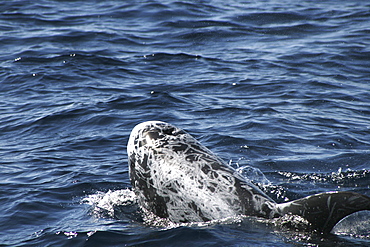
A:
(177, 178)
(323, 211)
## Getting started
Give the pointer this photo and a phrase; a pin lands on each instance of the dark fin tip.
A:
(323, 211)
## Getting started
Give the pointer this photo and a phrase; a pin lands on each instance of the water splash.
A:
(113, 204)
(250, 173)
(152, 220)
(254, 175)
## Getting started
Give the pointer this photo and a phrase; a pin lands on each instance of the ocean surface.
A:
(280, 89)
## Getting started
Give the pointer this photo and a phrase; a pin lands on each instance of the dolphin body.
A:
(177, 178)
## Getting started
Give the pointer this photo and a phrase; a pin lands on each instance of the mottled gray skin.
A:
(177, 178)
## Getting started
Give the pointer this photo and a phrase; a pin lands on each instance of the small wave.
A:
(339, 177)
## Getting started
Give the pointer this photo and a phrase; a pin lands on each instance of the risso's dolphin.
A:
(177, 178)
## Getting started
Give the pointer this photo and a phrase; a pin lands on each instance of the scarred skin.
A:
(177, 178)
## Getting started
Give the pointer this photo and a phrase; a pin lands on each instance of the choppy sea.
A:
(278, 88)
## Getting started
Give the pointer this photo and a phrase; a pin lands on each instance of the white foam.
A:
(106, 202)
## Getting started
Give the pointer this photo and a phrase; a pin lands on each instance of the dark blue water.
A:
(280, 86)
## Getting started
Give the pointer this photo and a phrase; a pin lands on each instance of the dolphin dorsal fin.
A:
(323, 211)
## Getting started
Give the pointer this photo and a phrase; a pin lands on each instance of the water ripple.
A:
(280, 84)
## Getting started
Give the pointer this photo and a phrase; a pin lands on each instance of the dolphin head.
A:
(176, 177)
(152, 134)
